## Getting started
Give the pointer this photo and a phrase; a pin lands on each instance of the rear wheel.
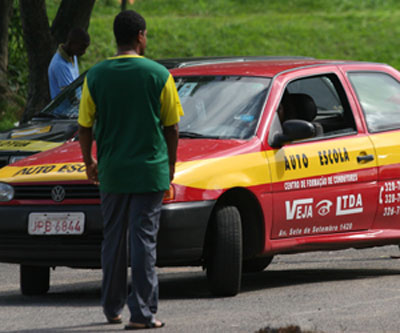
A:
(224, 261)
(34, 280)
(256, 265)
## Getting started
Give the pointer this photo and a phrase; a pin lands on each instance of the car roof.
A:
(194, 61)
(255, 67)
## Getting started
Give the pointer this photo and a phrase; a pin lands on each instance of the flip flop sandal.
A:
(136, 326)
(114, 320)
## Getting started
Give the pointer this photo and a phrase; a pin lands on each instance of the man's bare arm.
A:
(171, 134)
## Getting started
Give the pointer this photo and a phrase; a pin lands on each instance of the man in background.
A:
(63, 68)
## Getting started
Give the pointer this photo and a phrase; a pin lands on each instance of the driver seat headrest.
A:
(305, 106)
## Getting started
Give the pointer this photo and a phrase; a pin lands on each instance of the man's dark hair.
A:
(78, 35)
(127, 25)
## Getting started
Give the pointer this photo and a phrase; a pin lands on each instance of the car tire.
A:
(256, 265)
(34, 280)
(224, 262)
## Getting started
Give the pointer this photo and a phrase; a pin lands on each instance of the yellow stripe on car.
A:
(292, 162)
(311, 159)
(30, 131)
(27, 145)
(388, 147)
(43, 173)
(225, 172)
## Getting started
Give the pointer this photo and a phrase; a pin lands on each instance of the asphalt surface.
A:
(341, 291)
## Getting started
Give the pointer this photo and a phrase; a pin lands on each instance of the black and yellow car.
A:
(52, 126)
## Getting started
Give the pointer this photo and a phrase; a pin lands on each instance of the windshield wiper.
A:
(53, 115)
(194, 135)
(45, 115)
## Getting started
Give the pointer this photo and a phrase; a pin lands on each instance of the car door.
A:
(378, 93)
(326, 184)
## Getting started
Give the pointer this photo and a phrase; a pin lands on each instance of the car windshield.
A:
(66, 104)
(215, 106)
(226, 107)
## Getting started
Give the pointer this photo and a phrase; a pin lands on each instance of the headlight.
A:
(17, 158)
(6, 192)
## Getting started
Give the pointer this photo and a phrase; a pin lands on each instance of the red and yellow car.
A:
(275, 156)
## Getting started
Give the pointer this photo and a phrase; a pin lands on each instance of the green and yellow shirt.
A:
(131, 98)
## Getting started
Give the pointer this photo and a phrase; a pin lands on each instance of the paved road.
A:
(343, 291)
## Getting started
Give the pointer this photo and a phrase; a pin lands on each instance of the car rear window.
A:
(379, 96)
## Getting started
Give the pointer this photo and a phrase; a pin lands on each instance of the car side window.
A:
(322, 101)
(379, 97)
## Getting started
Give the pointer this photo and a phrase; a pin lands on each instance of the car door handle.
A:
(365, 158)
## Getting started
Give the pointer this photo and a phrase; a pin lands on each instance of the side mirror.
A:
(294, 129)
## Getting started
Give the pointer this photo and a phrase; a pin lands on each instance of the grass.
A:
(337, 29)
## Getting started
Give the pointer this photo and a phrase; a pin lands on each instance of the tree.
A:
(5, 12)
(71, 13)
(41, 42)
(123, 5)
(39, 46)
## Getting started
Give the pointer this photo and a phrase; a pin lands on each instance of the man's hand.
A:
(171, 171)
(86, 140)
(92, 172)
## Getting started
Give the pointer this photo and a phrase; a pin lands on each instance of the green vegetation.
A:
(10, 111)
(336, 29)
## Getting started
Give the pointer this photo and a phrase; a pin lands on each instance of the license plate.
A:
(72, 223)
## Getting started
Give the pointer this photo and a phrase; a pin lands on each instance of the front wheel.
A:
(224, 260)
(34, 280)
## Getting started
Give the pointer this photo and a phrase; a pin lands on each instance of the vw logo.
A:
(58, 193)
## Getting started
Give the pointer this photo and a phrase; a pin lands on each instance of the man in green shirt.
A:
(137, 109)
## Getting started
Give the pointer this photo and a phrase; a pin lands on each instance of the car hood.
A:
(39, 135)
(202, 164)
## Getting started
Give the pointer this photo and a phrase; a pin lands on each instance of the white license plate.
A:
(72, 223)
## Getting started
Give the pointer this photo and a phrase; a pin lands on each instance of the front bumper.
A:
(180, 240)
